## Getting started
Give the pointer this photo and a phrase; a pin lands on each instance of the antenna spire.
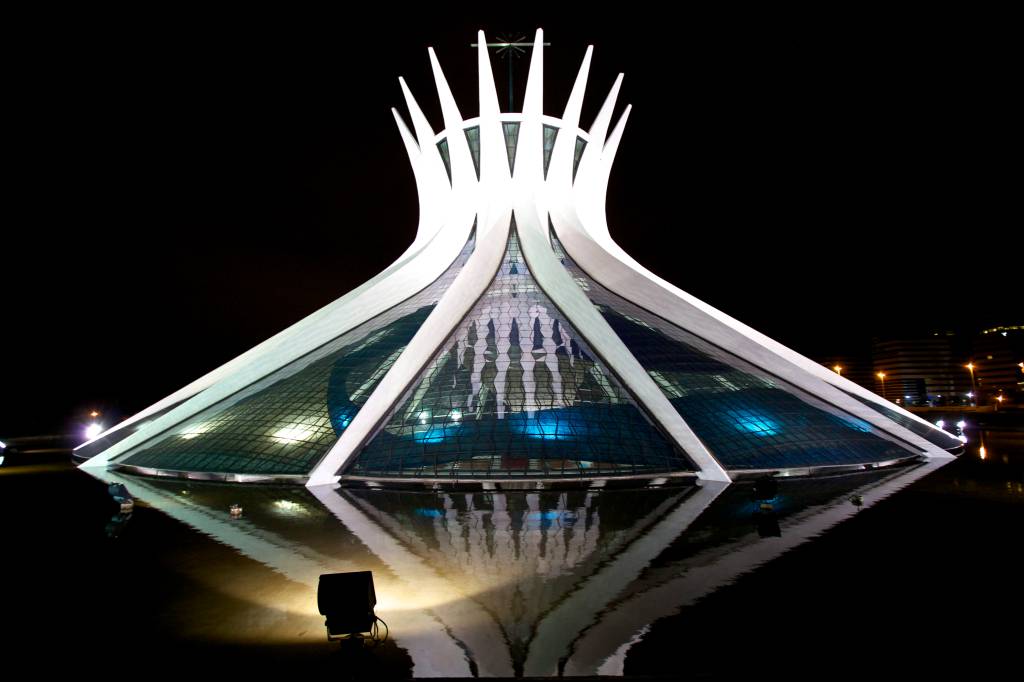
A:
(508, 48)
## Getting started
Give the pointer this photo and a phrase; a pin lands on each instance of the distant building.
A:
(997, 354)
(928, 370)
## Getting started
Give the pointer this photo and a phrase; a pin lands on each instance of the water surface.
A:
(651, 581)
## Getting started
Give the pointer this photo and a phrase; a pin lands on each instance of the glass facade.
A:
(511, 131)
(284, 423)
(550, 133)
(944, 440)
(100, 444)
(581, 144)
(473, 138)
(515, 391)
(442, 147)
(747, 418)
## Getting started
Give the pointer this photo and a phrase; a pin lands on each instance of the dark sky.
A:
(184, 186)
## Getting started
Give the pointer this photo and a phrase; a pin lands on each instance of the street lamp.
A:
(839, 370)
(881, 375)
(974, 389)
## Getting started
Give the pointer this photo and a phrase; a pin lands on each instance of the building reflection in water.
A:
(520, 582)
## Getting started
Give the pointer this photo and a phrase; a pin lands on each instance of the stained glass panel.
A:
(284, 423)
(746, 417)
(515, 391)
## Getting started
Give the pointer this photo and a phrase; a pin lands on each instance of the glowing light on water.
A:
(289, 508)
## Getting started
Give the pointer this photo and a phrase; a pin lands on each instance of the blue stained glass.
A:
(514, 391)
(759, 425)
(435, 434)
(857, 423)
(553, 424)
(746, 417)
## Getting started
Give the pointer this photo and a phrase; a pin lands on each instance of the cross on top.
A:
(509, 48)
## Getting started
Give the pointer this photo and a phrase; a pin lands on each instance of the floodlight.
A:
(347, 601)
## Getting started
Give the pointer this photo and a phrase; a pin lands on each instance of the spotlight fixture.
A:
(347, 601)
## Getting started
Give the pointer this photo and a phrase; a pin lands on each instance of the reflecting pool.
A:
(575, 582)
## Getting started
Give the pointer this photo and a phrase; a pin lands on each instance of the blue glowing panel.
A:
(748, 421)
(746, 417)
(284, 423)
(515, 391)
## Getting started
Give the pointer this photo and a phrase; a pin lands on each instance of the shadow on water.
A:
(916, 563)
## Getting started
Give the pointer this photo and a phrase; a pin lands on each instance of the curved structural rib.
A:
(489, 185)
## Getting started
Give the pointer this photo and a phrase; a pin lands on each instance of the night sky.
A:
(182, 187)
